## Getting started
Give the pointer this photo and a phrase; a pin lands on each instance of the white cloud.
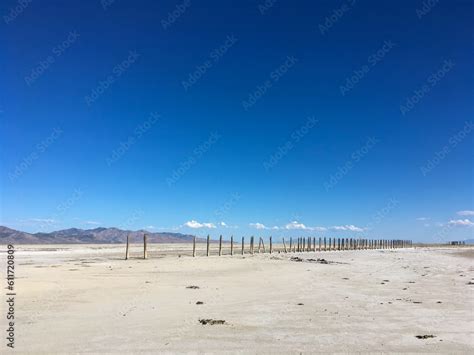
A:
(422, 218)
(195, 225)
(296, 225)
(466, 213)
(223, 224)
(149, 227)
(92, 223)
(461, 223)
(348, 227)
(258, 225)
(43, 220)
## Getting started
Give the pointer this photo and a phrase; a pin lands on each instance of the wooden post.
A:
(194, 246)
(243, 245)
(251, 245)
(271, 245)
(231, 245)
(284, 245)
(314, 243)
(304, 244)
(207, 250)
(220, 245)
(127, 250)
(291, 242)
(325, 245)
(145, 254)
(259, 244)
(319, 248)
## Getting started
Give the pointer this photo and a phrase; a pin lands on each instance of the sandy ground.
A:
(83, 299)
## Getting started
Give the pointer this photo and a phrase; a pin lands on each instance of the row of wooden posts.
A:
(300, 245)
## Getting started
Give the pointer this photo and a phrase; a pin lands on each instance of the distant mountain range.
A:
(88, 236)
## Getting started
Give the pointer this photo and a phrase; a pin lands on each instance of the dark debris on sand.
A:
(317, 261)
(426, 336)
(211, 321)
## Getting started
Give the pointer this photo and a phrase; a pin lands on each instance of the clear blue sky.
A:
(312, 118)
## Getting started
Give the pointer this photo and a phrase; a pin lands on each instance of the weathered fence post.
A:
(231, 245)
(325, 245)
(291, 244)
(207, 248)
(304, 244)
(251, 245)
(145, 254)
(127, 250)
(220, 245)
(271, 245)
(284, 245)
(194, 246)
(243, 245)
(319, 248)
